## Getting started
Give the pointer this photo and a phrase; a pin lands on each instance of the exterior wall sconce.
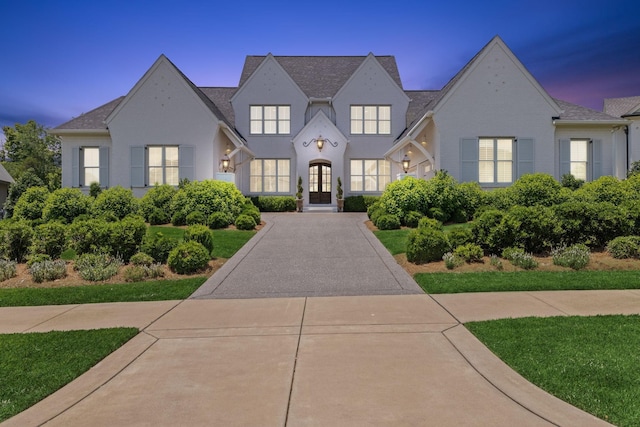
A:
(225, 163)
(405, 163)
(320, 141)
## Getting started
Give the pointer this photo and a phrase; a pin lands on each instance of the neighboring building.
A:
(5, 181)
(491, 123)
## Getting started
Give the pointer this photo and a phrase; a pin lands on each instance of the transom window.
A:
(371, 119)
(270, 119)
(90, 165)
(495, 160)
(162, 165)
(579, 154)
(370, 175)
(270, 176)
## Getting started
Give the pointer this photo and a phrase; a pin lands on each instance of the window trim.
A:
(363, 176)
(279, 122)
(362, 120)
(278, 175)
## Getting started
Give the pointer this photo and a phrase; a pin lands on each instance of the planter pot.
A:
(299, 205)
(340, 204)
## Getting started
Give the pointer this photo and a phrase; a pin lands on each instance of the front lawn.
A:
(589, 362)
(34, 365)
(450, 283)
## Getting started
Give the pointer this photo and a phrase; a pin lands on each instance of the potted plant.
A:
(299, 195)
(339, 198)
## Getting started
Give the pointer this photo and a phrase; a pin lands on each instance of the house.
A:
(321, 118)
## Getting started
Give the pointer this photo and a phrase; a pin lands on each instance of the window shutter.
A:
(565, 157)
(137, 166)
(524, 151)
(469, 155)
(75, 167)
(597, 159)
(104, 166)
(186, 161)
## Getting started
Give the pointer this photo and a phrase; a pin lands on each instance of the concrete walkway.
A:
(388, 360)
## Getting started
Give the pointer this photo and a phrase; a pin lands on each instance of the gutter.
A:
(561, 122)
(62, 132)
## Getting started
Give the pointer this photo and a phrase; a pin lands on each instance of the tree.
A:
(28, 146)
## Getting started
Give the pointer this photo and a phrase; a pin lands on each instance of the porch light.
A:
(225, 163)
(320, 142)
(405, 163)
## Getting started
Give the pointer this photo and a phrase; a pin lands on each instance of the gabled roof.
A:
(320, 76)
(94, 119)
(573, 112)
(5, 176)
(622, 107)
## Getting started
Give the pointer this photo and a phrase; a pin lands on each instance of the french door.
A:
(320, 183)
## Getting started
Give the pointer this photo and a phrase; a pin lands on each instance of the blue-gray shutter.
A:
(565, 157)
(524, 150)
(104, 166)
(75, 167)
(137, 159)
(186, 162)
(469, 156)
(597, 159)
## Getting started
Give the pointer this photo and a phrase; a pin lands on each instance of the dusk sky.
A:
(61, 58)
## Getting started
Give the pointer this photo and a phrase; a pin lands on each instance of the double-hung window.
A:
(162, 165)
(270, 176)
(270, 119)
(578, 153)
(371, 119)
(90, 165)
(495, 162)
(369, 175)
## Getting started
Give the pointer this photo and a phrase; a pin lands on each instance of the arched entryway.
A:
(320, 182)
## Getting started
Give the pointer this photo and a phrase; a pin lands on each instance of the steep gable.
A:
(621, 107)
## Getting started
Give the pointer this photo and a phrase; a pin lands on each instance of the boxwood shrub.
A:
(117, 201)
(157, 199)
(65, 204)
(49, 238)
(426, 245)
(188, 257)
(158, 246)
(275, 203)
(201, 234)
(245, 222)
(388, 222)
(208, 196)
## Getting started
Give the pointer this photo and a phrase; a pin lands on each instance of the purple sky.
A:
(63, 58)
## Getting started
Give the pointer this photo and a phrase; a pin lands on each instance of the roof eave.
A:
(561, 122)
(62, 132)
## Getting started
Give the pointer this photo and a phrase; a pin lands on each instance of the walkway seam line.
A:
(295, 363)
(50, 318)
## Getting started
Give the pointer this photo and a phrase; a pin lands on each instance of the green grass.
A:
(449, 283)
(157, 290)
(171, 232)
(590, 362)
(34, 365)
(227, 242)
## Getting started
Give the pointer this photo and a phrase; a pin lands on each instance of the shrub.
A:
(65, 204)
(34, 258)
(535, 228)
(157, 216)
(218, 220)
(569, 181)
(460, 236)
(196, 217)
(97, 266)
(201, 234)
(15, 240)
(452, 261)
(496, 262)
(26, 180)
(117, 201)
(403, 196)
(535, 189)
(126, 237)
(354, 204)
(252, 211)
(179, 218)
(7, 269)
(426, 222)
(511, 252)
(624, 247)
(245, 222)
(207, 197)
(437, 214)
(50, 239)
(138, 273)
(157, 199)
(426, 245)
(89, 235)
(605, 189)
(94, 189)
(484, 231)
(575, 257)
(275, 203)
(31, 203)
(469, 252)
(188, 257)
(523, 260)
(47, 270)
(471, 198)
(412, 218)
(388, 222)
(158, 246)
(141, 259)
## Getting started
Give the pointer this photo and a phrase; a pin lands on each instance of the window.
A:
(371, 119)
(90, 166)
(495, 163)
(370, 175)
(269, 176)
(578, 153)
(162, 165)
(270, 119)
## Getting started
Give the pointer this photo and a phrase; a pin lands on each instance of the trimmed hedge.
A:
(275, 203)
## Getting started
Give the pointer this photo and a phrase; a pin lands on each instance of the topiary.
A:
(245, 222)
(426, 245)
(201, 234)
(188, 257)
(388, 222)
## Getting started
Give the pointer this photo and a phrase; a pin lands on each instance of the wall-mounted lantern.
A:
(405, 163)
(225, 163)
(319, 141)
